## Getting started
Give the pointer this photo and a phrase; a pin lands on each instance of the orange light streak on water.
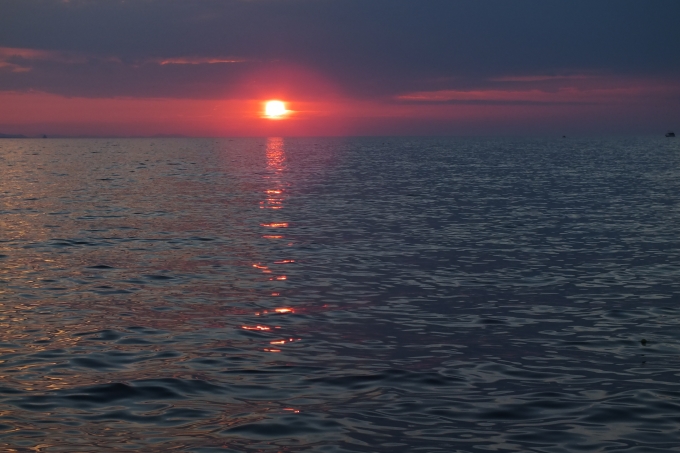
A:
(276, 164)
(274, 199)
(257, 327)
(290, 340)
(275, 225)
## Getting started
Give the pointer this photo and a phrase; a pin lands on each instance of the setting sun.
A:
(275, 109)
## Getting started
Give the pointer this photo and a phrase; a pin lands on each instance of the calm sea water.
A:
(340, 295)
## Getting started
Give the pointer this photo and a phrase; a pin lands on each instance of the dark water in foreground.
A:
(329, 295)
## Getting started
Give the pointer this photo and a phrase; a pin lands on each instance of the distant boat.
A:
(670, 134)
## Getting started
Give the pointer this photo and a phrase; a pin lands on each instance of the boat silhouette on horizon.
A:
(670, 134)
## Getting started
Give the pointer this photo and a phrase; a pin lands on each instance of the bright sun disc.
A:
(275, 109)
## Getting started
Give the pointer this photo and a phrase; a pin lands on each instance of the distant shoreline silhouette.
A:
(12, 136)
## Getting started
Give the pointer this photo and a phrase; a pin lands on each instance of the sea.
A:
(340, 295)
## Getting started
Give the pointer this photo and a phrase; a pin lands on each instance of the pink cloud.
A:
(198, 60)
(578, 89)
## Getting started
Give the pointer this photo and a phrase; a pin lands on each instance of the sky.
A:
(343, 67)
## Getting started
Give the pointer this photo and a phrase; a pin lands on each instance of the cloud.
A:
(20, 59)
(539, 78)
(561, 96)
(555, 90)
(104, 75)
(27, 55)
(197, 60)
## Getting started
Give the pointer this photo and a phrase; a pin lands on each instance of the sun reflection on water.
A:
(274, 198)
(276, 165)
(275, 225)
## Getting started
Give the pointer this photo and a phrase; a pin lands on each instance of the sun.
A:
(275, 109)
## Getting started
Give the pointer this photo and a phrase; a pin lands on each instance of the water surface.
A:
(340, 295)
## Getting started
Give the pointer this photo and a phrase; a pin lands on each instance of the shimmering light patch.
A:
(275, 225)
(280, 277)
(284, 341)
(272, 350)
(284, 310)
(264, 269)
(257, 327)
(284, 261)
(276, 164)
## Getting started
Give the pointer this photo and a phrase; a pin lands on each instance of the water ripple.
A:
(339, 295)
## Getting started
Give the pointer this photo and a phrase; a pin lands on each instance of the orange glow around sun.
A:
(275, 109)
